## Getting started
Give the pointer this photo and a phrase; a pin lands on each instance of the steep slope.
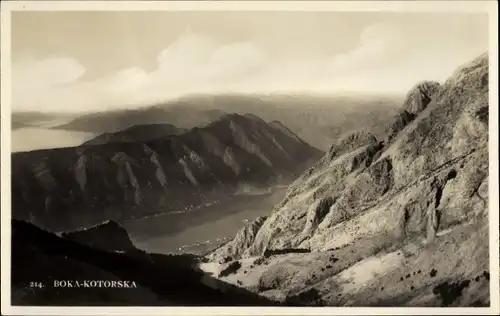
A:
(136, 133)
(415, 102)
(68, 188)
(140, 279)
(386, 223)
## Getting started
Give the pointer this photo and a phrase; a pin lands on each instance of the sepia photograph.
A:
(188, 154)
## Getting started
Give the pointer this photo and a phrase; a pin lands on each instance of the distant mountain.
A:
(319, 120)
(126, 278)
(37, 119)
(68, 188)
(180, 115)
(137, 133)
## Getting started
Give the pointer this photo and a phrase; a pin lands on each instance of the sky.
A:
(95, 61)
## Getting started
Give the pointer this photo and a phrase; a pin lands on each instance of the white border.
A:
(489, 7)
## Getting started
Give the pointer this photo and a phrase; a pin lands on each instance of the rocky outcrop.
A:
(68, 188)
(399, 122)
(420, 96)
(243, 239)
(390, 211)
(350, 142)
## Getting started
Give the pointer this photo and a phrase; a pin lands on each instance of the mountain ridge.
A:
(371, 212)
(79, 186)
(136, 133)
(310, 116)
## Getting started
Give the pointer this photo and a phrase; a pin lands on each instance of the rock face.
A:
(377, 217)
(399, 122)
(243, 239)
(420, 96)
(68, 188)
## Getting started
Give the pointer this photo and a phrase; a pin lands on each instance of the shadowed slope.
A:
(159, 280)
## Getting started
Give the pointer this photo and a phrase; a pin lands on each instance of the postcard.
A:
(249, 158)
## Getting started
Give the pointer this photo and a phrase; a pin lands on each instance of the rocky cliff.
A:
(398, 222)
(68, 188)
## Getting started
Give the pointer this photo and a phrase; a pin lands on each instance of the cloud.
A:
(46, 73)
(377, 42)
(388, 58)
(198, 62)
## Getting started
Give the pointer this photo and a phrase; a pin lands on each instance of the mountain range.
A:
(318, 120)
(145, 170)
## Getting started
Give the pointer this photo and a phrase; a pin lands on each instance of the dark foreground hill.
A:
(400, 221)
(108, 236)
(98, 277)
(67, 188)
